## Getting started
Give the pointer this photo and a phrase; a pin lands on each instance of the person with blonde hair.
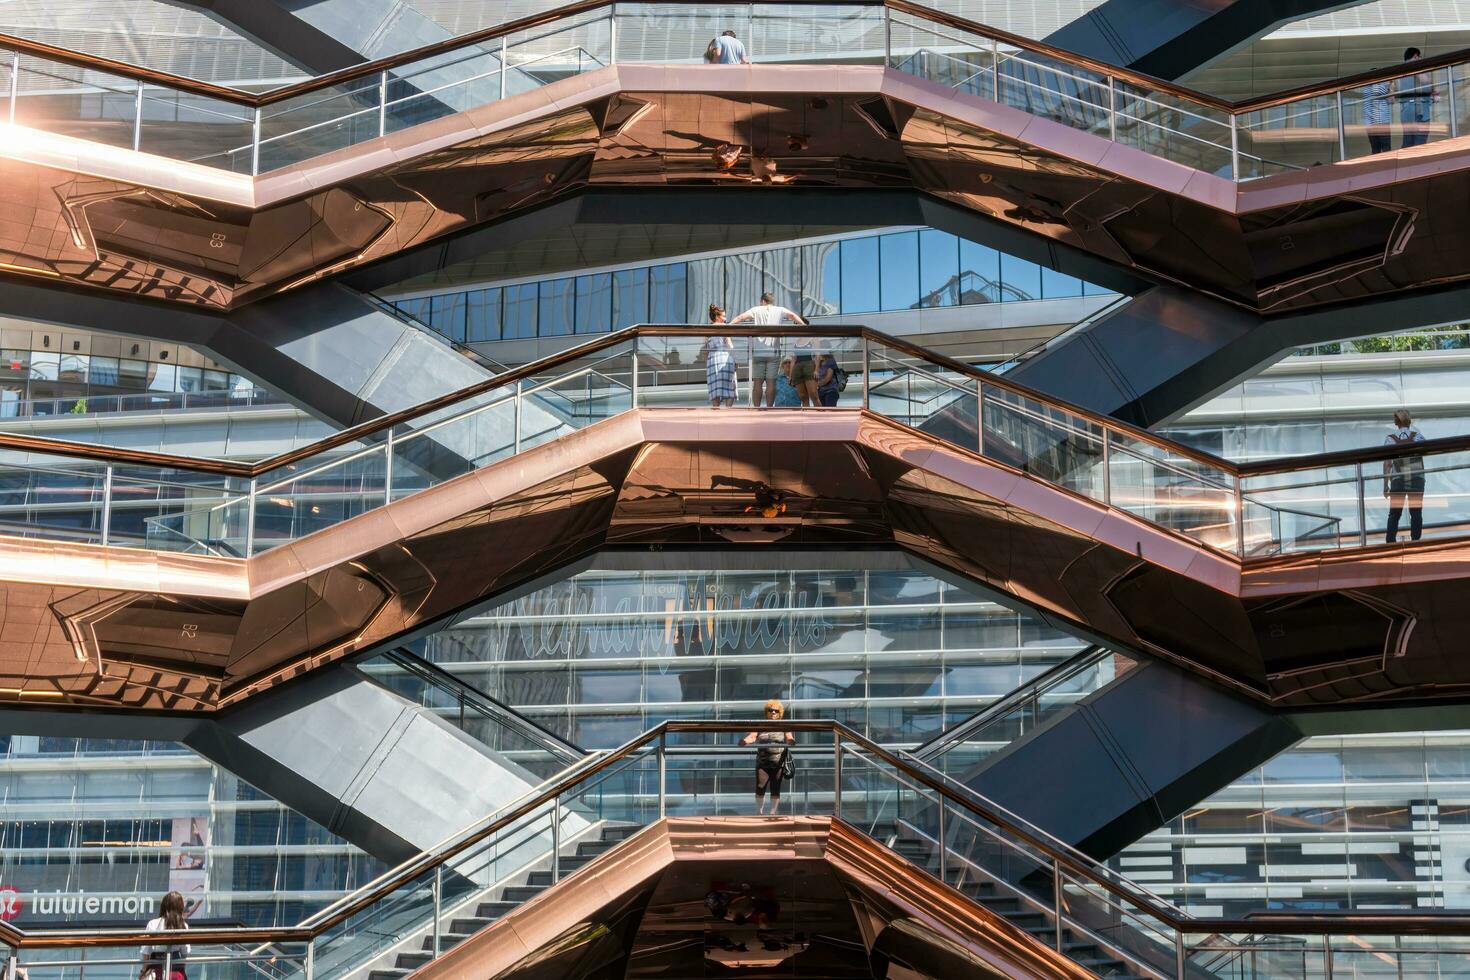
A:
(772, 758)
(1403, 479)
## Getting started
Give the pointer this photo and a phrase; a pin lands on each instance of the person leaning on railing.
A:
(772, 758)
(170, 918)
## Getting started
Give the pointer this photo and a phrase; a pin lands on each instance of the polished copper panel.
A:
(87, 625)
(92, 215)
(825, 898)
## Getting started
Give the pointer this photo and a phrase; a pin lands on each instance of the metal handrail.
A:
(1055, 674)
(1117, 434)
(433, 674)
(1064, 857)
(366, 69)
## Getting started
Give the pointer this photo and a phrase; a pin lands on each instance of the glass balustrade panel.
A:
(78, 102)
(456, 81)
(1289, 137)
(178, 510)
(955, 59)
(319, 122)
(51, 497)
(1052, 89)
(318, 493)
(1174, 128)
(1307, 510)
(578, 398)
(184, 126)
(932, 396)
(541, 56)
(1044, 441)
(815, 34)
(1398, 113)
(1168, 488)
(453, 441)
(205, 961)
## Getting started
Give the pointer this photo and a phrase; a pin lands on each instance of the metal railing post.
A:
(14, 82)
(662, 777)
(1112, 108)
(168, 964)
(250, 519)
(1341, 129)
(516, 416)
(555, 844)
(388, 468)
(612, 35)
(309, 968)
(943, 848)
(1179, 955)
(438, 909)
(1239, 519)
(837, 766)
(867, 369)
(995, 66)
(980, 416)
(383, 103)
(887, 36)
(504, 65)
(1234, 148)
(1107, 467)
(1450, 101)
(107, 505)
(138, 116)
(1362, 507)
(1327, 958)
(255, 144)
(633, 388)
(10, 963)
(1056, 891)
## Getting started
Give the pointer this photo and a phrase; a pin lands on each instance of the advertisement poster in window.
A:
(187, 873)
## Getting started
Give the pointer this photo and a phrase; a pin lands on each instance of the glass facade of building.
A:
(900, 270)
(93, 831)
(894, 653)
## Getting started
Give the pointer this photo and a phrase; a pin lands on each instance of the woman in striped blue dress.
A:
(719, 364)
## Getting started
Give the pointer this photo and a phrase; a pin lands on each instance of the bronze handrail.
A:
(355, 72)
(93, 451)
(1066, 857)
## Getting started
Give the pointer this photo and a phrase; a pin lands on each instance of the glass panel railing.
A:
(695, 368)
(1022, 711)
(1191, 129)
(203, 961)
(1044, 441)
(929, 395)
(499, 728)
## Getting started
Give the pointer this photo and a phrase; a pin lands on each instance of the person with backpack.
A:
(831, 379)
(726, 50)
(1403, 479)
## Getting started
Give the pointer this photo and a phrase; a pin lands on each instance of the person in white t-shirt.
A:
(170, 919)
(765, 356)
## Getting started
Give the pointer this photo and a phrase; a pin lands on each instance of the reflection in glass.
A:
(557, 307)
(482, 315)
(783, 276)
(822, 295)
(594, 303)
(939, 256)
(1021, 279)
(630, 297)
(668, 301)
(520, 311)
(859, 284)
(979, 273)
(898, 270)
(448, 315)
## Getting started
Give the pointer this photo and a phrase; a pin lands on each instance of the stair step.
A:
(520, 893)
(387, 974)
(494, 910)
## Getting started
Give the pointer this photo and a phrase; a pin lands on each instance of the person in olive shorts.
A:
(770, 756)
(765, 351)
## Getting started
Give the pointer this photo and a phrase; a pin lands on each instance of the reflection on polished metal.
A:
(823, 899)
(90, 214)
(1086, 520)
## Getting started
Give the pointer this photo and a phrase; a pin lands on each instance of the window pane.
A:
(630, 297)
(979, 270)
(520, 311)
(132, 374)
(482, 315)
(419, 308)
(667, 294)
(898, 267)
(706, 279)
(822, 285)
(1055, 285)
(939, 257)
(859, 275)
(1019, 279)
(783, 276)
(594, 303)
(447, 315)
(103, 371)
(743, 281)
(558, 307)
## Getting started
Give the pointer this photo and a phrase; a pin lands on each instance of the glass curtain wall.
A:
(896, 654)
(95, 830)
(901, 270)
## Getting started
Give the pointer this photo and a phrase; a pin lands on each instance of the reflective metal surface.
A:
(190, 234)
(751, 897)
(182, 633)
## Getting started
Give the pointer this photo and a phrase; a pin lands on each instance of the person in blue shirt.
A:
(786, 395)
(728, 50)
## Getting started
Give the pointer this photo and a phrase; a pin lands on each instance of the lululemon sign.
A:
(10, 903)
